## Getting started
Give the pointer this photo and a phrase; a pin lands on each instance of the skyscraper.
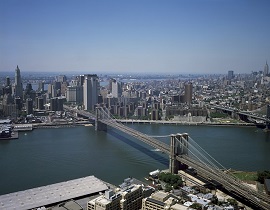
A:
(29, 106)
(18, 83)
(188, 92)
(230, 75)
(75, 94)
(116, 89)
(266, 69)
(90, 91)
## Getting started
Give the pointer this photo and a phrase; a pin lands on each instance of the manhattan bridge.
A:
(183, 150)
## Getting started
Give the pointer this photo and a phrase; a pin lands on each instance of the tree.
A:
(263, 175)
(232, 201)
(171, 179)
(196, 206)
(168, 187)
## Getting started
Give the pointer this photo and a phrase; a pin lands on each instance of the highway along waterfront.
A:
(46, 156)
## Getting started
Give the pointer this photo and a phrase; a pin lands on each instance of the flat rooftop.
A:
(50, 194)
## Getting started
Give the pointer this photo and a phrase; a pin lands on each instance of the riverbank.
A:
(172, 122)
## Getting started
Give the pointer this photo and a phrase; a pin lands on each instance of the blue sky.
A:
(139, 36)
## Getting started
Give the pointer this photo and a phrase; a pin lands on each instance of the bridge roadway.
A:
(227, 181)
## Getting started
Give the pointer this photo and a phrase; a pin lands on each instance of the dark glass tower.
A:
(18, 83)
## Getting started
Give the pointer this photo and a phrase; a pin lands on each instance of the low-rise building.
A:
(159, 201)
(128, 197)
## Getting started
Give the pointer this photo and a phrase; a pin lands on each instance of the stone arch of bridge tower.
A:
(100, 115)
(178, 147)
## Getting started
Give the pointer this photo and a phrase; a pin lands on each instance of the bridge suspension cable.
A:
(160, 136)
(210, 158)
(197, 155)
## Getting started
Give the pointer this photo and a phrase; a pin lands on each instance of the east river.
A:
(46, 156)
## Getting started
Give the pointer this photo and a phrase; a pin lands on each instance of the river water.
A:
(46, 156)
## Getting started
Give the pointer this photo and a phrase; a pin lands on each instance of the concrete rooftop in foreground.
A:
(50, 194)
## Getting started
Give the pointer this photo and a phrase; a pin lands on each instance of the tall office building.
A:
(80, 80)
(188, 92)
(56, 104)
(18, 83)
(29, 106)
(90, 91)
(53, 104)
(41, 86)
(51, 91)
(230, 75)
(75, 94)
(7, 81)
(266, 69)
(116, 89)
(8, 87)
(18, 103)
(61, 78)
(40, 103)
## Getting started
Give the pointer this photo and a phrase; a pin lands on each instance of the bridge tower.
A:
(179, 146)
(100, 114)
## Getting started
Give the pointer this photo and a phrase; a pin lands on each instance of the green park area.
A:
(246, 176)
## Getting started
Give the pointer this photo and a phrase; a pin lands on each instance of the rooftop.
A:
(50, 194)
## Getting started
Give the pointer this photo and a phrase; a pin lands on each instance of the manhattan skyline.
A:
(197, 37)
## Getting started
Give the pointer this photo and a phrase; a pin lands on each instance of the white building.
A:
(116, 89)
(90, 91)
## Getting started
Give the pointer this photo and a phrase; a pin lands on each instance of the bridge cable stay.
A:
(112, 118)
(132, 132)
(119, 122)
(197, 156)
(191, 142)
(227, 178)
(214, 170)
(206, 153)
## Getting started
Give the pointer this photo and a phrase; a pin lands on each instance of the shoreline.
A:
(83, 123)
(127, 121)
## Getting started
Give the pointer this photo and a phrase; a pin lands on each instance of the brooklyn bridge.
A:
(183, 152)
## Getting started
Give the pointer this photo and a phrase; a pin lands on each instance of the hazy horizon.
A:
(147, 37)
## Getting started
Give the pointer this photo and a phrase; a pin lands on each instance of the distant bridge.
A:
(183, 151)
(266, 119)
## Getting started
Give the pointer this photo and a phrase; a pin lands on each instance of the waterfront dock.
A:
(23, 127)
(52, 194)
